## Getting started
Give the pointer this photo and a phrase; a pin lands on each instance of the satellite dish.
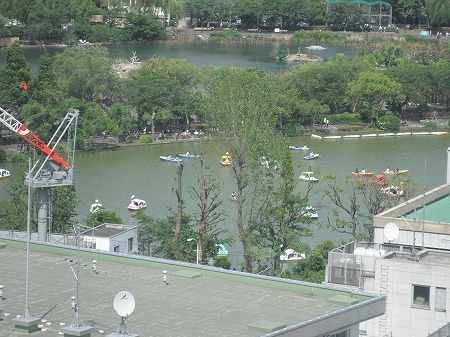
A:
(391, 231)
(124, 303)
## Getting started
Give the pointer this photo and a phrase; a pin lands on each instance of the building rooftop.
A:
(436, 211)
(107, 230)
(197, 301)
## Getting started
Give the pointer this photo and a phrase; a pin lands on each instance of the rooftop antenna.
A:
(124, 304)
(391, 232)
(77, 328)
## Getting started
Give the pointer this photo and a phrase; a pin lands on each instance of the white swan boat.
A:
(136, 204)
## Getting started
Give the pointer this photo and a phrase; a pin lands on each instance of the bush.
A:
(315, 35)
(347, 128)
(431, 125)
(225, 35)
(389, 123)
(222, 262)
(344, 118)
(2, 156)
(293, 130)
(145, 139)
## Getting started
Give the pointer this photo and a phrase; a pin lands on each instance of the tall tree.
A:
(437, 12)
(15, 73)
(241, 103)
(207, 217)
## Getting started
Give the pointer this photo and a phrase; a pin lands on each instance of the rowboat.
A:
(363, 174)
(396, 172)
(170, 159)
(311, 156)
(187, 155)
(304, 147)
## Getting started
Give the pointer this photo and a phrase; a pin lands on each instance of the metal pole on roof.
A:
(26, 313)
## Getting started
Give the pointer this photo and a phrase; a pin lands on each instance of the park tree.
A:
(14, 78)
(14, 210)
(64, 205)
(344, 14)
(355, 201)
(371, 91)
(208, 215)
(437, 12)
(247, 98)
(388, 55)
(85, 74)
(327, 82)
(164, 87)
(144, 27)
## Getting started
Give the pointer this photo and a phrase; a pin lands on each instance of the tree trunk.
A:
(180, 201)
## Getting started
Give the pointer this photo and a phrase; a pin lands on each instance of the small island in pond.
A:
(285, 56)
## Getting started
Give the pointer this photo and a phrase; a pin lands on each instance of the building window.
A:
(441, 294)
(421, 295)
(130, 244)
(116, 249)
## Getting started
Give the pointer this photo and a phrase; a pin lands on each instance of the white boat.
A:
(403, 134)
(304, 147)
(369, 135)
(439, 133)
(311, 156)
(291, 255)
(351, 136)
(4, 174)
(136, 204)
(170, 159)
(188, 155)
(386, 134)
(308, 176)
(395, 172)
(332, 137)
(316, 136)
(95, 207)
(233, 196)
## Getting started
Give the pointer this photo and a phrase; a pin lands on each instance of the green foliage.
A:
(225, 35)
(64, 208)
(145, 139)
(293, 129)
(388, 55)
(143, 27)
(348, 128)
(343, 118)
(2, 156)
(388, 123)
(312, 269)
(282, 54)
(316, 36)
(102, 216)
(222, 262)
(432, 125)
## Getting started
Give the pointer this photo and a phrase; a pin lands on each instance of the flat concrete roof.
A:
(197, 301)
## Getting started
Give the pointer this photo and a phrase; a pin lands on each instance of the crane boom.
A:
(22, 131)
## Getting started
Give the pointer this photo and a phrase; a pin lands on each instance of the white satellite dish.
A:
(391, 231)
(124, 303)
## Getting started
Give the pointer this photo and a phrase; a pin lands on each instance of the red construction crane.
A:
(22, 131)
